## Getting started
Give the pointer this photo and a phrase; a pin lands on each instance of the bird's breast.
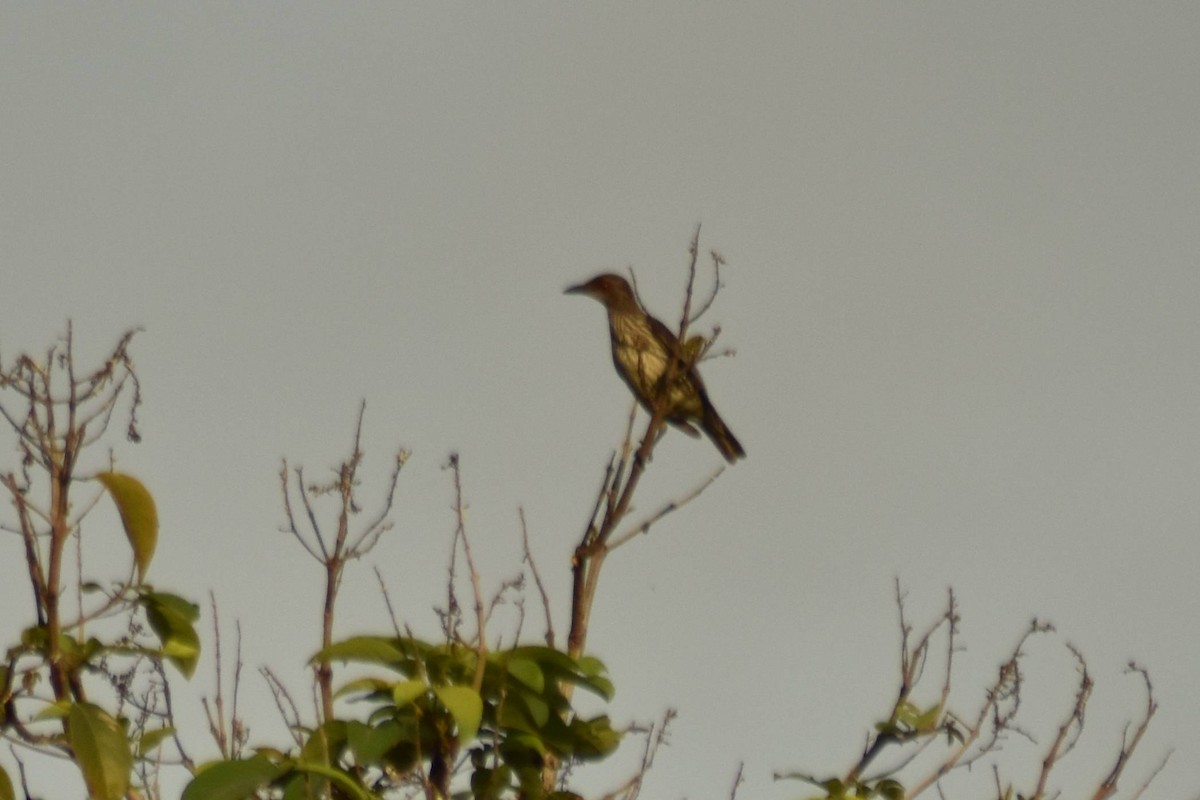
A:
(639, 355)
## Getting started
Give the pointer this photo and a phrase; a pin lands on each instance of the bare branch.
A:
(717, 261)
(1153, 774)
(686, 317)
(387, 600)
(284, 703)
(1071, 727)
(527, 557)
(460, 535)
(369, 536)
(656, 737)
(737, 781)
(291, 517)
(1108, 786)
(311, 513)
(671, 505)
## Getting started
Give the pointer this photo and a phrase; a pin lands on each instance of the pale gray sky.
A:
(962, 284)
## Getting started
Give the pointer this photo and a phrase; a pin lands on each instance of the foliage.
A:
(87, 683)
(394, 715)
(424, 711)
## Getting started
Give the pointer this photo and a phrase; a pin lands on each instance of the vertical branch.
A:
(59, 509)
(1069, 731)
(345, 545)
(33, 558)
(685, 318)
(58, 414)
(737, 780)
(590, 555)
(460, 536)
(1108, 786)
(537, 578)
(620, 488)
(336, 562)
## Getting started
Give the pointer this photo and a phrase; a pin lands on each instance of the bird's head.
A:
(611, 290)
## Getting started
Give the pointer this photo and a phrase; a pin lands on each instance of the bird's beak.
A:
(580, 289)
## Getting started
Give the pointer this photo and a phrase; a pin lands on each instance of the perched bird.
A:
(642, 347)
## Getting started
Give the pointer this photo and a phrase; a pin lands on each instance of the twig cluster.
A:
(333, 552)
(969, 738)
(98, 654)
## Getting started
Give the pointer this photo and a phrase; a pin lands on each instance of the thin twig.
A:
(291, 518)
(460, 535)
(671, 505)
(537, 578)
(370, 535)
(686, 317)
(285, 704)
(1109, 785)
(387, 600)
(1071, 727)
(717, 260)
(1153, 774)
(656, 737)
(737, 781)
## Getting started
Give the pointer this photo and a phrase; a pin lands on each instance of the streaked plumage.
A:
(642, 347)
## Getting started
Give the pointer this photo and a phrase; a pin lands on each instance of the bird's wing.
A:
(665, 336)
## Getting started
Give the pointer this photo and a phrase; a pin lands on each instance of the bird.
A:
(642, 349)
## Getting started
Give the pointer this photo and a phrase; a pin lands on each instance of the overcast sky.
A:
(962, 285)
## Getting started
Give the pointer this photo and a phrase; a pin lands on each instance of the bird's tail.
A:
(720, 434)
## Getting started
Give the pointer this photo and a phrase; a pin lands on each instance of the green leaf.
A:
(297, 789)
(326, 743)
(588, 672)
(451, 664)
(592, 667)
(101, 751)
(539, 711)
(890, 789)
(347, 784)
(515, 717)
(371, 649)
(907, 714)
(928, 721)
(591, 674)
(59, 710)
(36, 637)
(549, 658)
(465, 705)
(598, 685)
(528, 673)
(491, 783)
(75, 654)
(138, 515)
(173, 620)
(152, 739)
(530, 781)
(406, 692)
(232, 780)
(523, 749)
(834, 787)
(595, 738)
(370, 743)
(6, 787)
(369, 686)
